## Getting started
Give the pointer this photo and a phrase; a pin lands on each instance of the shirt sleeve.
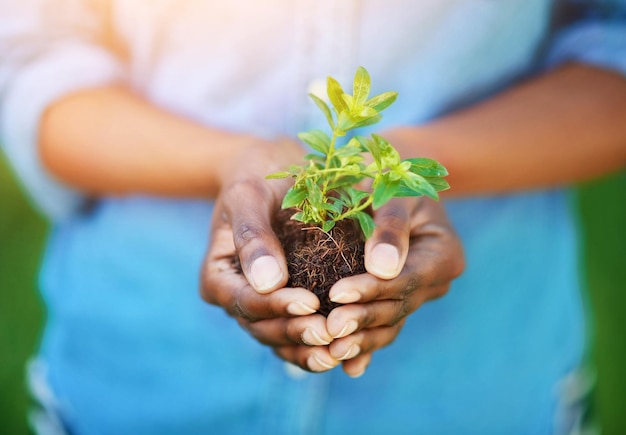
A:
(597, 36)
(48, 49)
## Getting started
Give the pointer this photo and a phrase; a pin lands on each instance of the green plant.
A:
(329, 186)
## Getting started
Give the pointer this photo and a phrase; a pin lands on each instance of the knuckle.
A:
(237, 309)
(411, 286)
(400, 314)
(246, 233)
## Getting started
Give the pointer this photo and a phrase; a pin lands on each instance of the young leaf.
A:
(381, 101)
(438, 183)
(328, 225)
(294, 197)
(335, 93)
(335, 207)
(366, 112)
(372, 146)
(315, 157)
(325, 110)
(388, 155)
(299, 216)
(314, 194)
(367, 121)
(385, 190)
(344, 121)
(361, 86)
(278, 175)
(366, 223)
(316, 139)
(427, 167)
(416, 185)
(355, 196)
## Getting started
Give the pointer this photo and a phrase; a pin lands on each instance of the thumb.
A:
(260, 252)
(387, 249)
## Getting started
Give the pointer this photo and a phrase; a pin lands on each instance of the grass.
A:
(22, 233)
(603, 209)
(602, 206)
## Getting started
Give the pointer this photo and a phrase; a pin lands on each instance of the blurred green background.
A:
(602, 207)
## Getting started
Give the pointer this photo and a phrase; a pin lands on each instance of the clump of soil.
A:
(315, 259)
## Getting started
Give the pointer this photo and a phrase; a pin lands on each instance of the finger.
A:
(365, 341)
(249, 205)
(308, 330)
(313, 359)
(386, 250)
(347, 319)
(435, 258)
(239, 299)
(356, 367)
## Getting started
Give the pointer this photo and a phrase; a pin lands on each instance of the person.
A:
(131, 123)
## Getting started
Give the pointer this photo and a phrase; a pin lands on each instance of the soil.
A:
(315, 259)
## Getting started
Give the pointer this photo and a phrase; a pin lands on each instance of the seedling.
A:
(330, 186)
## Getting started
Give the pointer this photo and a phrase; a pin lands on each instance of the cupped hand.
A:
(245, 270)
(411, 258)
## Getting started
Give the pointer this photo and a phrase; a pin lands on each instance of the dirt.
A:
(316, 260)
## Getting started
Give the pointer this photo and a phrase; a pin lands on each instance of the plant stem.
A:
(355, 210)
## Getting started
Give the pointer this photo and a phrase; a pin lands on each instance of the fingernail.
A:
(351, 353)
(384, 260)
(318, 365)
(359, 374)
(299, 309)
(311, 337)
(347, 329)
(265, 273)
(346, 297)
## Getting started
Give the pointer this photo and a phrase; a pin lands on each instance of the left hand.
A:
(412, 257)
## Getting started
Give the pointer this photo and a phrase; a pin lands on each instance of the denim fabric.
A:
(129, 345)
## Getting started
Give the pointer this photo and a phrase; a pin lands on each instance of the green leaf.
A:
(315, 157)
(367, 121)
(314, 194)
(345, 181)
(344, 121)
(427, 167)
(361, 86)
(351, 149)
(327, 226)
(385, 190)
(366, 223)
(354, 196)
(349, 100)
(416, 185)
(278, 175)
(294, 197)
(381, 101)
(325, 110)
(366, 112)
(299, 216)
(389, 157)
(438, 183)
(335, 206)
(335, 93)
(316, 139)
(371, 146)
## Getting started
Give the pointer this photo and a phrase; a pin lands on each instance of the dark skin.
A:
(414, 254)
(556, 129)
(429, 256)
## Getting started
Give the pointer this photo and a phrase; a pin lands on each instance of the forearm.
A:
(566, 126)
(111, 142)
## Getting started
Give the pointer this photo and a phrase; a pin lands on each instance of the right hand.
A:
(280, 317)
